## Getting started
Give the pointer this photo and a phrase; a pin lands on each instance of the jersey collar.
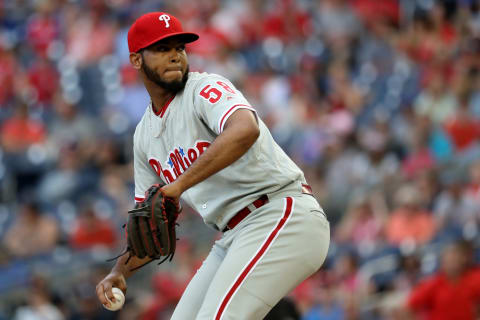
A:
(162, 110)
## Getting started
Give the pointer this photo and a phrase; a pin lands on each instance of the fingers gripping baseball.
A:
(104, 287)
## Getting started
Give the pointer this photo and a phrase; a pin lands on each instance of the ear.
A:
(136, 60)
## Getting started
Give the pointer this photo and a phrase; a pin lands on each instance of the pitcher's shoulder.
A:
(196, 78)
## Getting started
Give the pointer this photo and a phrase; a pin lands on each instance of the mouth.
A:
(175, 73)
(174, 69)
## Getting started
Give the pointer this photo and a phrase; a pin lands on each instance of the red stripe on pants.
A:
(256, 258)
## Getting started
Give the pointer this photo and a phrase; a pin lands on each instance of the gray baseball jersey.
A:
(166, 144)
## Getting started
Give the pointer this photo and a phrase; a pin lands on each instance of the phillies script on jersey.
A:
(178, 161)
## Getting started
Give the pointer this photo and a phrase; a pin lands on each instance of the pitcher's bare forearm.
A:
(240, 133)
(126, 269)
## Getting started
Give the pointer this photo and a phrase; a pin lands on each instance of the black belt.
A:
(240, 215)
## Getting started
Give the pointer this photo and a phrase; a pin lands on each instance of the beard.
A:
(173, 86)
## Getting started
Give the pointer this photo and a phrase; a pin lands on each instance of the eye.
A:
(181, 48)
(159, 48)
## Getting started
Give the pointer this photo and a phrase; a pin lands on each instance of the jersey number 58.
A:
(212, 94)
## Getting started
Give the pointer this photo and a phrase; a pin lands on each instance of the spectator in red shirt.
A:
(462, 127)
(21, 131)
(90, 231)
(90, 35)
(409, 222)
(42, 29)
(453, 292)
(286, 21)
(43, 78)
(8, 72)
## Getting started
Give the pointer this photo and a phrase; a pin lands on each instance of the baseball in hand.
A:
(119, 300)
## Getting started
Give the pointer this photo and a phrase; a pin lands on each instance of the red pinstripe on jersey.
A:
(256, 258)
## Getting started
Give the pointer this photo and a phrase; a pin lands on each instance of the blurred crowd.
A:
(377, 101)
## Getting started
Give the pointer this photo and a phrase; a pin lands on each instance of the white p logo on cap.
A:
(165, 18)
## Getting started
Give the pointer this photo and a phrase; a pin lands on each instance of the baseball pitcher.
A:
(201, 140)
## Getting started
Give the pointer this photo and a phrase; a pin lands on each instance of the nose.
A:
(174, 55)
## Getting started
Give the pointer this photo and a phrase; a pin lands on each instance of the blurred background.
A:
(377, 101)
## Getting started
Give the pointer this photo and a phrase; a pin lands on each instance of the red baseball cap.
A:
(153, 27)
